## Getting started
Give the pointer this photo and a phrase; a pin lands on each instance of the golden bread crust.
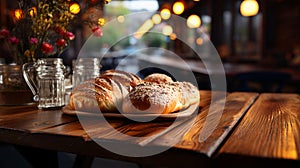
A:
(158, 78)
(102, 94)
(119, 91)
(129, 80)
(162, 98)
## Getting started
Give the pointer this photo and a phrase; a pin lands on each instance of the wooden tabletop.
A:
(257, 129)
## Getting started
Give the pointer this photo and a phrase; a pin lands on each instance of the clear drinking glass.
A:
(12, 83)
(46, 81)
(85, 68)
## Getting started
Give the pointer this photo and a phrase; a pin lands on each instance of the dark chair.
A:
(262, 81)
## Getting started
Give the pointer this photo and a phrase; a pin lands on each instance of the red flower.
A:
(47, 48)
(60, 30)
(97, 31)
(61, 42)
(13, 40)
(4, 33)
(69, 35)
(33, 40)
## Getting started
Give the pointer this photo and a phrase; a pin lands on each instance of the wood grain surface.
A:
(213, 120)
(13, 111)
(34, 120)
(270, 129)
(260, 126)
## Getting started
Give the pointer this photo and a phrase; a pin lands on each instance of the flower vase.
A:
(13, 88)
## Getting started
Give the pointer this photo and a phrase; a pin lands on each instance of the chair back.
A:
(262, 81)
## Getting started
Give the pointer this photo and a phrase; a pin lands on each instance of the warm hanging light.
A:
(165, 13)
(193, 21)
(18, 14)
(156, 19)
(107, 1)
(199, 41)
(32, 11)
(74, 8)
(249, 8)
(101, 21)
(178, 7)
(173, 36)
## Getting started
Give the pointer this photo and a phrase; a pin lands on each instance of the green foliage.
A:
(113, 34)
(153, 39)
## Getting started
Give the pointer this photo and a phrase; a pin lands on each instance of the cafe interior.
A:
(253, 44)
(263, 43)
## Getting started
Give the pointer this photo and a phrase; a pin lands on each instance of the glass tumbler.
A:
(84, 69)
(46, 78)
(12, 83)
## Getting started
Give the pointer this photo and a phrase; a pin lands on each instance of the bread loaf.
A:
(101, 93)
(158, 78)
(160, 98)
(189, 93)
(129, 80)
(119, 91)
(153, 98)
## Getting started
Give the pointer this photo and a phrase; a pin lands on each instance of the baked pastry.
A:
(160, 98)
(158, 78)
(129, 80)
(101, 93)
(189, 93)
(151, 97)
(119, 91)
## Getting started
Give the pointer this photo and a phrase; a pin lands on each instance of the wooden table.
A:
(252, 130)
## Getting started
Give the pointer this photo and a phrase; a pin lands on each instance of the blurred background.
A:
(249, 35)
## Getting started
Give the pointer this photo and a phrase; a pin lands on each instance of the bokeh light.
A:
(165, 14)
(121, 19)
(167, 30)
(193, 21)
(156, 19)
(18, 14)
(249, 8)
(178, 8)
(74, 8)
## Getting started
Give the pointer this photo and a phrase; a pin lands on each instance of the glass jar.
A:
(84, 69)
(46, 81)
(12, 83)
